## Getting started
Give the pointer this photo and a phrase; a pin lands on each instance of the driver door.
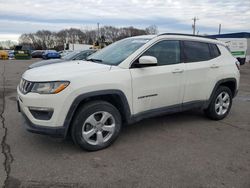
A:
(155, 87)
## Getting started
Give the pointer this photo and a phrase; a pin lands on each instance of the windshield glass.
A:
(115, 53)
(70, 56)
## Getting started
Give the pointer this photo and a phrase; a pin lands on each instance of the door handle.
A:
(178, 71)
(214, 66)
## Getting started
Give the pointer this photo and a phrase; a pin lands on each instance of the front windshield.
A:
(71, 55)
(115, 53)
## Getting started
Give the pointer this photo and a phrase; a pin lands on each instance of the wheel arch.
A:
(115, 97)
(231, 83)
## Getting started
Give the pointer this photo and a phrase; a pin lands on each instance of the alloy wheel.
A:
(98, 128)
(222, 103)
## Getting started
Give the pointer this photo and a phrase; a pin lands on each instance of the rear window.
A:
(214, 50)
(196, 51)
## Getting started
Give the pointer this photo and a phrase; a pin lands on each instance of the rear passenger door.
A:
(198, 63)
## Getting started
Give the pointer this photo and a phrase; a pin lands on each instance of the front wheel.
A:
(220, 104)
(96, 125)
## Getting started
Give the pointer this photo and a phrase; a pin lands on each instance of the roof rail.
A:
(190, 35)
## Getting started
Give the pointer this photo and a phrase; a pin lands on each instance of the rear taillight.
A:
(237, 63)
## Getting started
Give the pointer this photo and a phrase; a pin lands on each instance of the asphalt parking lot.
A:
(179, 150)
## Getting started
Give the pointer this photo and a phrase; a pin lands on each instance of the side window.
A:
(214, 50)
(196, 51)
(166, 52)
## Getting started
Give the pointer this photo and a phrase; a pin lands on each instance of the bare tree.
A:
(45, 39)
(152, 30)
(8, 44)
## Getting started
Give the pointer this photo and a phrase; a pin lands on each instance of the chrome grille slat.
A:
(25, 86)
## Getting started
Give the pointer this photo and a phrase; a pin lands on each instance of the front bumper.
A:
(54, 125)
(59, 132)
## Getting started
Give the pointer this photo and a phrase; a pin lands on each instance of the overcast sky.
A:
(24, 16)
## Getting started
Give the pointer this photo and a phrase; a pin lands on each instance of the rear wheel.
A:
(220, 104)
(96, 125)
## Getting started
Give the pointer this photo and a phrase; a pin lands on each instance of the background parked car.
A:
(75, 55)
(11, 54)
(51, 54)
(65, 52)
(37, 54)
(22, 52)
(3, 54)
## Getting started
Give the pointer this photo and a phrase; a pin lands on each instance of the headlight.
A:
(49, 87)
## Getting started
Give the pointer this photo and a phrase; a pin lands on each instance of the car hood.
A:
(46, 62)
(64, 71)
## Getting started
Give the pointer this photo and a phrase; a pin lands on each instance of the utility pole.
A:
(219, 29)
(98, 31)
(194, 25)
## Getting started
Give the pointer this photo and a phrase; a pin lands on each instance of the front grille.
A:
(25, 86)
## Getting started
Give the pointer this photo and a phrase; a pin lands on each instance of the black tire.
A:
(211, 111)
(80, 118)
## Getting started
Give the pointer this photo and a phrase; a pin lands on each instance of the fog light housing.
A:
(41, 113)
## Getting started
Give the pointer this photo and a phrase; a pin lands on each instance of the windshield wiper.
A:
(94, 60)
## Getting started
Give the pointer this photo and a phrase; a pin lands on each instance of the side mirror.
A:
(147, 60)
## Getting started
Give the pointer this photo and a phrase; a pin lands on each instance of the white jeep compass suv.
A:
(132, 79)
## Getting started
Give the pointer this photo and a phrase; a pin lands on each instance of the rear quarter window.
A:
(214, 51)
